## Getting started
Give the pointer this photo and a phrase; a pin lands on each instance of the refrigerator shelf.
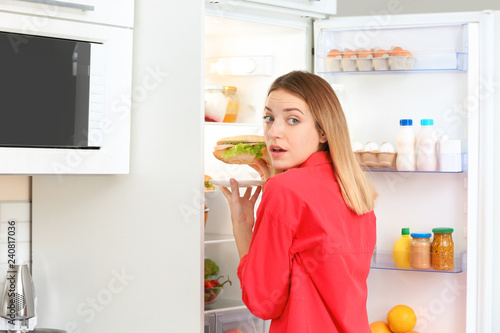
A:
(390, 170)
(225, 305)
(218, 238)
(384, 260)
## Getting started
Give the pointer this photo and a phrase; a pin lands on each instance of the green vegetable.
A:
(243, 148)
(211, 267)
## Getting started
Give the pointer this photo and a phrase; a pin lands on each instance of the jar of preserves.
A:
(442, 249)
(233, 104)
(215, 104)
(420, 247)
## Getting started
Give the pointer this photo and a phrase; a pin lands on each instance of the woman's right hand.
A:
(262, 168)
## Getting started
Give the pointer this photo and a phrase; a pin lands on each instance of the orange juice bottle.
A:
(401, 249)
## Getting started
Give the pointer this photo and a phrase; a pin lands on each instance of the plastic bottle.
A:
(405, 161)
(427, 159)
(401, 249)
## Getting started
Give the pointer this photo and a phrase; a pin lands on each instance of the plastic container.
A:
(215, 104)
(442, 249)
(405, 140)
(232, 104)
(427, 159)
(450, 156)
(401, 249)
(420, 257)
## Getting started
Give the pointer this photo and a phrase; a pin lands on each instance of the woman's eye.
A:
(293, 121)
(268, 119)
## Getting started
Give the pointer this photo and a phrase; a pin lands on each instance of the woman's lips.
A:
(276, 151)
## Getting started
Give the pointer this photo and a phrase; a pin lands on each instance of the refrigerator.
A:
(449, 77)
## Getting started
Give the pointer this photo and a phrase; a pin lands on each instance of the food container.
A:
(442, 249)
(232, 104)
(215, 104)
(420, 256)
(376, 160)
(333, 61)
(206, 214)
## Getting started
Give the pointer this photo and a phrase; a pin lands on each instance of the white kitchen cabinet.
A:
(110, 12)
(114, 155)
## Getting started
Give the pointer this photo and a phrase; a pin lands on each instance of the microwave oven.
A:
(52, 92)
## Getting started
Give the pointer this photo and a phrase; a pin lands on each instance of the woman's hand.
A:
(242, 214)
(262, 168)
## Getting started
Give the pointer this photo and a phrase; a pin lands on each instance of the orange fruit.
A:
(380, 327)
(401, 319)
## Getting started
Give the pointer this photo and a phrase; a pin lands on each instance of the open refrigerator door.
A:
(420, 67)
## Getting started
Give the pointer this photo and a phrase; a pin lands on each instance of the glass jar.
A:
(233, 104)
(420, 247)
(215, 104)
(442, 249)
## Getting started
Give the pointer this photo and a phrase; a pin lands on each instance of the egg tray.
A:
(376, 160)
(369, 64)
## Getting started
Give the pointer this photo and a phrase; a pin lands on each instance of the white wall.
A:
(384, 7)
(122, 253)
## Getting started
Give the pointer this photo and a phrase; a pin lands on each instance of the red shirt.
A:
(310, 254)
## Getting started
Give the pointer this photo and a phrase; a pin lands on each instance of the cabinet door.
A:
(112, 12)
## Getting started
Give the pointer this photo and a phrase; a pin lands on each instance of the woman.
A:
(305, 263)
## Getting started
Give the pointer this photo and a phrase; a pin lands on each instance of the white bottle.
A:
(405, 140)
(427, 159)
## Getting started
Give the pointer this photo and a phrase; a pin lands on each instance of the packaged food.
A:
(215, 104)
(349, 60)
(420, 257)
(365, 60)
(442, 249)
(380, 60)
(400, 59)
(233, 104)
(333, 61)
(402, 249)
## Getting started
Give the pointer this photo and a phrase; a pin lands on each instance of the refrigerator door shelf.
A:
(384, 260)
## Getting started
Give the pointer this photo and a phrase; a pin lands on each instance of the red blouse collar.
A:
(317, 158)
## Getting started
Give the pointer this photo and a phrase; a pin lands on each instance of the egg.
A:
(371, 146)
(365, 54)
(334, 53)
(396, 52)
(350, 53)
(357, 146)
(381, 53)
(387, 147)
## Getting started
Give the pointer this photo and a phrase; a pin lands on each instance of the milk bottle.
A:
(426, 146)
(405, 140)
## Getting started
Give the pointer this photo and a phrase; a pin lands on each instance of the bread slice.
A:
(241, 138)
(241, 158)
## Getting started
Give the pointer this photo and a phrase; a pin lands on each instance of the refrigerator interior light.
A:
(254, 65)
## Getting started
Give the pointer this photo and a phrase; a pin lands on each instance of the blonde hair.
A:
(357, 191)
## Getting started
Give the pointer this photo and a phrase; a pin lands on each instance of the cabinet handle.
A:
(63, 4)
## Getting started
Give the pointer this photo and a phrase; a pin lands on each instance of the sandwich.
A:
(208, 185)
(242, 149)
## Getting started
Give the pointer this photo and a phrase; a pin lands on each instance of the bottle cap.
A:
(420, 234)
(405, 122)
(405, 231)
(427, 122)
(442, 230)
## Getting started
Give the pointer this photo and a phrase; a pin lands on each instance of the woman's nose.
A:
(276, 129)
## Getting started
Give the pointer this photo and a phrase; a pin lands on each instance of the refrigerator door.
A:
(444, 77)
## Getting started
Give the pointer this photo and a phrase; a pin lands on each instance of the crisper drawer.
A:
(238, 321)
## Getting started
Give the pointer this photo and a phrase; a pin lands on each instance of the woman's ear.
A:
(322, 136)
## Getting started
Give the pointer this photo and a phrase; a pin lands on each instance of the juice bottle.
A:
(405, 160)
(426, 143)
(401, 249)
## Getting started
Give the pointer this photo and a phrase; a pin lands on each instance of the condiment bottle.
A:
(420, 257)
(405, 160)
(442, 249)
(401, 249)
(233, 104)
(426, 146)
